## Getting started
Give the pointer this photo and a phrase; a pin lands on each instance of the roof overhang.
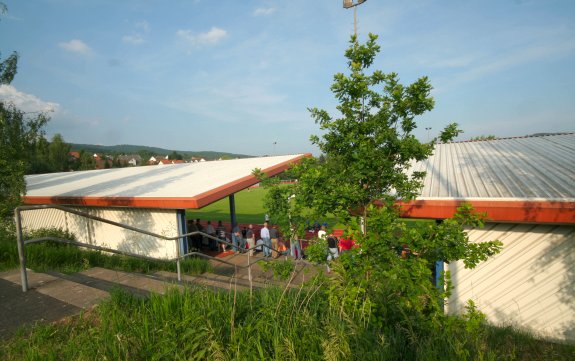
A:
(500, 210)
(178, 186)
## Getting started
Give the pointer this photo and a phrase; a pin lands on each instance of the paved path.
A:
(53, 296)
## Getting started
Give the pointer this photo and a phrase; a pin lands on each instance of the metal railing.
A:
(22, 243)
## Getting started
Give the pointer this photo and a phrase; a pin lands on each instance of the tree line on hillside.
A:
(146, 152)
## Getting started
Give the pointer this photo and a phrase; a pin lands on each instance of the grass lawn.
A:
(249, 208)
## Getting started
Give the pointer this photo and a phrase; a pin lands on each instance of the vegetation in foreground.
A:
(272, 324)
(68, 259)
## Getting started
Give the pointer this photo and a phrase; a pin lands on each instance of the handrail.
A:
(22, 243)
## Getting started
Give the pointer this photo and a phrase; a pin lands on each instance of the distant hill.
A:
(136, 149)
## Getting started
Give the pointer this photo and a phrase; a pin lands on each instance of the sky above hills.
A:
(238, 76)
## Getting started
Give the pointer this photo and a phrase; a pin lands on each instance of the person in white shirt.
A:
(322, 234)
(265, 236)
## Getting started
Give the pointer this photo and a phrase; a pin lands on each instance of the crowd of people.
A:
(269, 243)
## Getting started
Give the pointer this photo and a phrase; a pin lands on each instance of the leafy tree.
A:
(59, 154)
(175, 156)
(145, 155)
(369, 150)
(484, 137)
(39, 160)
(370, 146)
(87, 161)
(19, 135)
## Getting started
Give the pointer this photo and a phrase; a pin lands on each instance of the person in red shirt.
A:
(346, 243)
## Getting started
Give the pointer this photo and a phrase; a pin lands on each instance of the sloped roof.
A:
(524, 178)
(175, 186)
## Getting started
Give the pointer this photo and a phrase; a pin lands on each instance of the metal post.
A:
(181, 243)
(233, 210)
(250, 272)
(21, 251)
(355, 20)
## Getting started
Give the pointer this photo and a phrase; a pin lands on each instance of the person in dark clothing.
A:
(191, 227)
(221, 232)
(274, 235)
(332, 250)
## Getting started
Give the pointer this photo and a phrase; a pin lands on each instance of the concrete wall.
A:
(159, 221)
(530, 284)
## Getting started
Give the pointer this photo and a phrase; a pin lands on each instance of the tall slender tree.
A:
(19, 133)
(369, 148)
(59, 154)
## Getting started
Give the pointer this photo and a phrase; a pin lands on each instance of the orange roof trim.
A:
(497, 210)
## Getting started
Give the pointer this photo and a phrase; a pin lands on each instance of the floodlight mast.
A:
(353, 4)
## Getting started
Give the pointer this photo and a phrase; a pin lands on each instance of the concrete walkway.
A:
(53, 296)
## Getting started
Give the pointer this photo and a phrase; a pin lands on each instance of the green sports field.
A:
(249, 208)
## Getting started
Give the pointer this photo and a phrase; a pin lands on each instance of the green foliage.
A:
(381, 282)
(282, 270)
(271, 324)
(146, 152)
(484, 137)
(19, 134)
(316, 251)
(175, 155)
(57, 256)
(58, 154)
(368, 152)
(371, 146)
(8, 69)
(87, 161)
(277, 202)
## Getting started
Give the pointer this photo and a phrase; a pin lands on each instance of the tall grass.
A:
(273, 324)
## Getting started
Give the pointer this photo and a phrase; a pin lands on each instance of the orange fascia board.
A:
(536, 211)
(195, 202)
(218, 193)
(136, 202)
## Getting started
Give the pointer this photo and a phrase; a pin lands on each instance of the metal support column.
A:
(21, 250)
(233, 211)
(181, 243)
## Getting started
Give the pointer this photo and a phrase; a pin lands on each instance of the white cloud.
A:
(210, 37)
(76, 46)
(26, 102)
(264, 11)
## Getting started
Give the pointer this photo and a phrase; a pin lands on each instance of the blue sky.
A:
(238, 76)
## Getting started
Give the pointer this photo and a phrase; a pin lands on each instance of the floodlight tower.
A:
(353, 4)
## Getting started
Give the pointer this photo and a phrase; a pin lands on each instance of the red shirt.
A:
(345, 244)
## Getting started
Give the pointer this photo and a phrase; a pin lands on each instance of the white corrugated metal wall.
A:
(159, 221)
(530, 284)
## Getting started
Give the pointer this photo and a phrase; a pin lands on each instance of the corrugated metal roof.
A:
(190, 185)
(536, 167)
